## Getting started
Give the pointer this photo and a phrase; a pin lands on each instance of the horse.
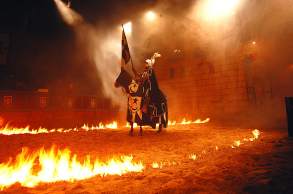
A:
(147, 104)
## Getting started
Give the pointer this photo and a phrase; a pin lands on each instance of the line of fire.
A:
(149, 96)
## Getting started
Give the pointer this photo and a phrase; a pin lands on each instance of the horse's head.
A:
(123, 79)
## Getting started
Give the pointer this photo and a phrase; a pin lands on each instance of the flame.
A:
(162, 164)
(26, 130)
(236, 143)
(171, 123)
(197, 121)
(46, 166)
(188, 122)
(255, 133)
(8, 130)
(185, 122)
(112, 125)
(156, 165)
(128, 125)
(192, 156)
(59, 165)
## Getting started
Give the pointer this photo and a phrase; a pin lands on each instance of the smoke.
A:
(106, 52)
(255, 36)
(188, 27)
(102, 46)
(220, 30)
(221, 33)
(68, 15)
(216, 27)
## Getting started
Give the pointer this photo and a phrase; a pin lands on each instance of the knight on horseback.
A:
(147, 105)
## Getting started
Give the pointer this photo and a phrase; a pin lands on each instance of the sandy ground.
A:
(262, 166)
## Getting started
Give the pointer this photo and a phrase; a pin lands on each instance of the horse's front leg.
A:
(160, 128)
(160, 125)
(140, 130)
(131, 129)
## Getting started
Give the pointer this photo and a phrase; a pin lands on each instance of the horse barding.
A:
(147, 105)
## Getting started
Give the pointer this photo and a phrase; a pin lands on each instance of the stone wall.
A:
(200, 89)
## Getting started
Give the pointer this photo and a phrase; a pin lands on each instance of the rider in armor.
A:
(152, 104)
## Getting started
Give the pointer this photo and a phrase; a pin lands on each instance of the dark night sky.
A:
(43, 17)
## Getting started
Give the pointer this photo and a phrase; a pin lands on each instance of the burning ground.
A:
(193, 158)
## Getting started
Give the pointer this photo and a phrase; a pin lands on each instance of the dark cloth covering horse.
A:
(147, 104)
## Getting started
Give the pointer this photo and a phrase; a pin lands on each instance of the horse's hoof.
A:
(130, 133)
(160, 128)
